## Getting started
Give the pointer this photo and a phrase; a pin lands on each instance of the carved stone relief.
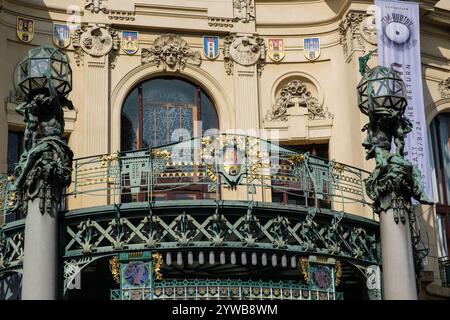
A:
(245, 51)
(244, 10)
(95, 6)
(358, 31)
(294, 98)
(172, 52)
(444, 88)
(96, 41)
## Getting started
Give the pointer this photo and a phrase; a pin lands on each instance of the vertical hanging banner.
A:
(398, 32)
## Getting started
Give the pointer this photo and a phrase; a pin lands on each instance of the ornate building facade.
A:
(217, 148)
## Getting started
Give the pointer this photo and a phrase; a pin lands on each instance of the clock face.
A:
(397, 32)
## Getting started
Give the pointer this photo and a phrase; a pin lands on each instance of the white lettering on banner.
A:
(399, 46)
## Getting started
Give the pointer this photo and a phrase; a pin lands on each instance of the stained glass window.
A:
(165, 110)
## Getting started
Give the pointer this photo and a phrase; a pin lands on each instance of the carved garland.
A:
(295, 94)
(355, 30)
(172, 52)
(444, 88)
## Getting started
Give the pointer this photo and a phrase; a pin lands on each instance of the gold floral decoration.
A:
(165, 154)
(157, 264)
(339, 167)
(338, 270)
(12, 198)
(114, 267)
(304, 267)
(108, 158)
(298, 158)
(11, 178)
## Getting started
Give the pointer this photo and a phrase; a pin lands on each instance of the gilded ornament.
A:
(158, 153)
(157, 264)
(296, 159)
(114, 266)
(338, 271)
(106, 159)
(304, 267)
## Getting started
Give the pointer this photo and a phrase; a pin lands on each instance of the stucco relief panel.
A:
(358, 32)
(298, 109)
(171, 52)
(245, 51)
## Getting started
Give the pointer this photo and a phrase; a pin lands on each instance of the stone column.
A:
(40, 266)
(399, 280)
(96, 118)
(246, 97)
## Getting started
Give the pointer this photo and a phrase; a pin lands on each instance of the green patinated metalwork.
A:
(394, 181)
(382, 97)
(149, 175)
(45, 166)
(192, 224)
(231, 289)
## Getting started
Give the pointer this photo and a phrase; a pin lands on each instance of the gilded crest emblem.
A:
(232, 163)
(130, 42)
(276, 49)
(61, 35)
(211, 47)
(311, 48)
(25, 29)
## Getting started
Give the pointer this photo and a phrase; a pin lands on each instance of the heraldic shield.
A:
(211, 47)
(25, 29)
(276, 49)
(61, 35)
(311, 48)
(130, 42)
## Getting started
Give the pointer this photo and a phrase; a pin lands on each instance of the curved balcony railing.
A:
(226, 290)
(221, 167)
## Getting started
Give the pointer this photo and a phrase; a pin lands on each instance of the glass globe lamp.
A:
(382, 91)
(44, 69)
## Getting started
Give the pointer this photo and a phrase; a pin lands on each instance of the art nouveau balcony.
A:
(240, 200)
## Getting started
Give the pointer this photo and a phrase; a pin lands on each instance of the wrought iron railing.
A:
(444, 269)
(226, 290)
(206, 168)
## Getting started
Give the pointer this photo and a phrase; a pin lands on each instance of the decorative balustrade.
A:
(225, 290)
(204, 168)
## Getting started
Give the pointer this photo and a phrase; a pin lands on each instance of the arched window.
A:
(165, 110)
(440, 138)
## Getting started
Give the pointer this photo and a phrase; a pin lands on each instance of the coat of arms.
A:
(61, 35)
(25, 29)
(130, 42)
(211, 47)
(276, 49)
(311, 48)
